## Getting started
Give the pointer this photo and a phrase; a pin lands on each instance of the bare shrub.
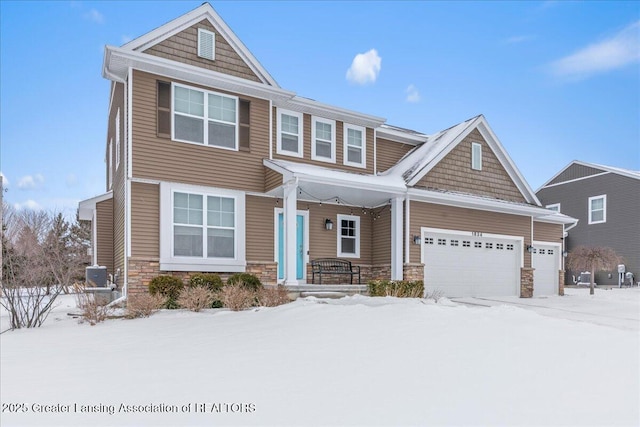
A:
(593, 259)
(28, 306)
(143, 305)
(93, 312)
(236, 297)
(196, 298)
(435, 295)
(272, 297)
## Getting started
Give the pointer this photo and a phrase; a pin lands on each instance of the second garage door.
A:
(460, 264)
(545, 261)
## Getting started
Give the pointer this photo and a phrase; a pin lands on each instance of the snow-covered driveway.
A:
(618, 308)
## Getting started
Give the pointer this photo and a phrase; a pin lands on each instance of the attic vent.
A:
(206, 44)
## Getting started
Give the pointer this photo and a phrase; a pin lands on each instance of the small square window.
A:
(477, 244)
(442, 242)
(428, 241)
(454, 243)
(466, 244)
(488, 245)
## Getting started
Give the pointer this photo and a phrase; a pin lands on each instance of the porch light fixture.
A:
(328, 224)
(564, 254)
(416, 239)
(530, 249)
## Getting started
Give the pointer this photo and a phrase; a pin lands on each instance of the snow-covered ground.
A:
(352, 361)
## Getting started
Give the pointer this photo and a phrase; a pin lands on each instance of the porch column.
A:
(290, 244)
(396, 238)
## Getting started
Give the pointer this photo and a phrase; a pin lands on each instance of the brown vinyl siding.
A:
(167, 160)
(183, 47)
(381, 239)
(546, 232)
(575, 171)
(272, 179)
(454, 173)
(307, 146)
(104, 231)
(145, 220)
(119, 176)
(452, 218)
(388, 153)
(260, 228)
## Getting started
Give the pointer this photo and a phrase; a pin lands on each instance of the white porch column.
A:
(396, 238)
(290, 236)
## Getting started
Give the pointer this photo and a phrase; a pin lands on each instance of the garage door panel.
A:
(461, 265)
(545, 260)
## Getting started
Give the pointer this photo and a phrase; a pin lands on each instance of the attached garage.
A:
(463, 264)
(545, 260)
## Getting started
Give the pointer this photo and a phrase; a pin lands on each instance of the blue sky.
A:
(557, 81)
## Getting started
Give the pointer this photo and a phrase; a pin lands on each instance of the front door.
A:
(299, 245)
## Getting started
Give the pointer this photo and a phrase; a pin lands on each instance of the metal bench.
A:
(333, 266)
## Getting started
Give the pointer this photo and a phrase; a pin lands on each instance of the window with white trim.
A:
(206, 44)
(598, 209)
(554, 207)
(354, 146)
(348, 236)
(476, 156)
(201, 228)
(110, 165)
(290, 133)
(323, 140)
(117, 139)
(204, 117)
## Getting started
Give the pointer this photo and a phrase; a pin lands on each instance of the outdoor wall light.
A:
(417, 239)
(328, 224)
(564, 254)
(530, 249)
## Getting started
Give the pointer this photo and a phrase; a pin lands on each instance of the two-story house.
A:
(606, 202)
(213, 167)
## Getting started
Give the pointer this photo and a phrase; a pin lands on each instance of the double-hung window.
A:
(354, 146)
(201, 228)
(204, 117)
(290, 133)
(598, 209)
(323, 136)
(348, 236)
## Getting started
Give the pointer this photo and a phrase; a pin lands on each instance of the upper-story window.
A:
(354, 146)
(598, 209)
(289, 133)
(476, 156)
(348, 236)
(117, 139)
(323, 137)
(206, 44)
(204, 117)
(110, 165)
(554, 207)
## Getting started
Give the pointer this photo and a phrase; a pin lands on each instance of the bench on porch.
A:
(333, 266)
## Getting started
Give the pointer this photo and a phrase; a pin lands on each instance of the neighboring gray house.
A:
(606, 200)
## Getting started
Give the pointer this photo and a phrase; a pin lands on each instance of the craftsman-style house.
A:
(213, 167)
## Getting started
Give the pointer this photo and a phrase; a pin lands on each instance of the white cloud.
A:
(364, 68)
(30, 182)
(5, 180)
(95, 16)
(29, 204)
(615, 52)
(519, 39)
(412, 93)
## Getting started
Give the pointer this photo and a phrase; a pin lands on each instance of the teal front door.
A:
(299, 246)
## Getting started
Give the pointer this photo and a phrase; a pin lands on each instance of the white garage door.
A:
(545, 261)
(461, 265)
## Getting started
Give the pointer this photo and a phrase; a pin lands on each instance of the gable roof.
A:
(422, 159)
(204, 11)
(610, 169)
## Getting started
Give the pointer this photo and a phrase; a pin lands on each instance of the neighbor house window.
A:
(348, 236)
(323, 137)
(204, 117)
(290, 133)
(201, 228)
(597, 209)
(554, 207)
(354, 146)
(118, 139)
(206, 44)
(476, 156)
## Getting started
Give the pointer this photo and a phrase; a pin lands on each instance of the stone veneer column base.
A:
(526, 282)
(413, 271)
(561, 283)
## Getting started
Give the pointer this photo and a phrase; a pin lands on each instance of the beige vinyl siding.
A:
(307, 146)
(454, 173)
(272, 179)
(388, 153)
(163, 159)
(104, 231)
(119, 176)
(145, 220)
(452, 218)
(260, 228)
(183, 47)
(381, 239)
(546, 232)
